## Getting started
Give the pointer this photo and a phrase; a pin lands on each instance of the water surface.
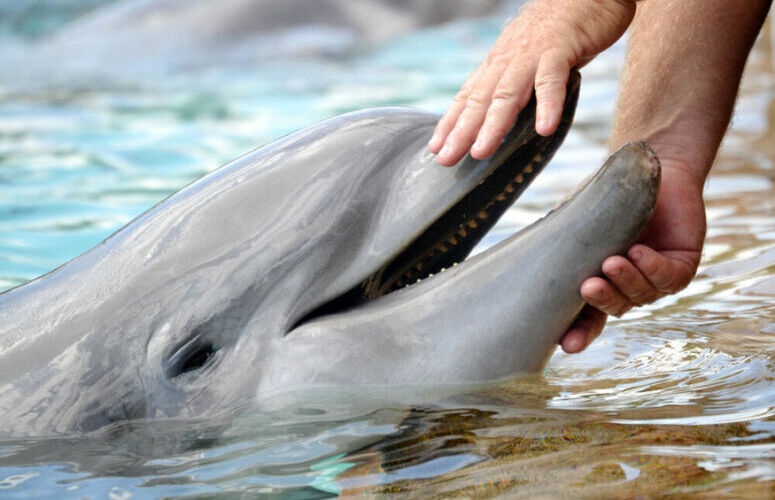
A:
(674, 398)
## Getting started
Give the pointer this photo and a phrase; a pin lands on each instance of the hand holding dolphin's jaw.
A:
(684, 66)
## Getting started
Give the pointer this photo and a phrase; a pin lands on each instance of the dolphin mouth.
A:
(449, 239)
(443, 243)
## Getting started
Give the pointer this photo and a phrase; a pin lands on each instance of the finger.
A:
(511, 95)
(630, 281)
(447, 122)
(469, 122)
(586, 328)
(603, 295)
(550, 82)
(667, 273)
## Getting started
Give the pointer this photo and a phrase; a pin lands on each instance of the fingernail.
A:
(636, 255)
(445, 150)
(434, 142)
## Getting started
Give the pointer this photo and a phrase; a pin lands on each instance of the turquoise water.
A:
(674, 398)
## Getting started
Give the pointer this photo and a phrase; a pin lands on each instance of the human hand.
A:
(662, 263)
(536, 50)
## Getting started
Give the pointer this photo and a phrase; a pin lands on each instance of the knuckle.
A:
(548, 82)
(498, 56)
(652, 271)
(476, 100)
(504, 94)
(666, 282)
(643, 297)
(461, 96)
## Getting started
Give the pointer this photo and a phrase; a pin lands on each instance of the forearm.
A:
(684, 64)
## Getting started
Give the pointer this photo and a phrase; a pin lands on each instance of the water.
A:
(674, 398)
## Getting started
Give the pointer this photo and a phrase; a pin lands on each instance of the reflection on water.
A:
(676, 397)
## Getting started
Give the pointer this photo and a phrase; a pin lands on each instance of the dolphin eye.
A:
(189, 357)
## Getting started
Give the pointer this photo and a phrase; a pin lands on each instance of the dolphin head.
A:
(498, 313)
(249, 279)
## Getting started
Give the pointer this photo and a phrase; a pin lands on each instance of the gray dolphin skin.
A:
(288, 269)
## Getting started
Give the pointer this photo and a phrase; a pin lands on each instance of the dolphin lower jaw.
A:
(496, 314)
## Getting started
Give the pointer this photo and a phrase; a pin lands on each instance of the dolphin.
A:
(137, 36)
(316, 261)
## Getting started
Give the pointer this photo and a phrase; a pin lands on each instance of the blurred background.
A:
(107, 107)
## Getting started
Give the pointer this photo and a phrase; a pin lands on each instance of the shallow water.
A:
(674, 398)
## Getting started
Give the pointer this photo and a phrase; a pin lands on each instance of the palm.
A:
(677, 229)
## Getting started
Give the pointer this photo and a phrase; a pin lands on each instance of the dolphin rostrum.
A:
(297, 266)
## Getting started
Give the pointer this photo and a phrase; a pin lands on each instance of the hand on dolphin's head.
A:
(535, 51)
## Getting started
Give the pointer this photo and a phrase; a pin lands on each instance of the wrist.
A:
(682, 145)
(680, 160)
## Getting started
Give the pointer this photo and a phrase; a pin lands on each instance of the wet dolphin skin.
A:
(316, 261)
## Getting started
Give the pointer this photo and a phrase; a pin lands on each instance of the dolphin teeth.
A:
(444, 248)
(462, 232)
(482, 214)
(454, 264)
(453, 240)
(520, 179)
(529, 168)
(472, 224)
(510, 187)
(501, 197)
